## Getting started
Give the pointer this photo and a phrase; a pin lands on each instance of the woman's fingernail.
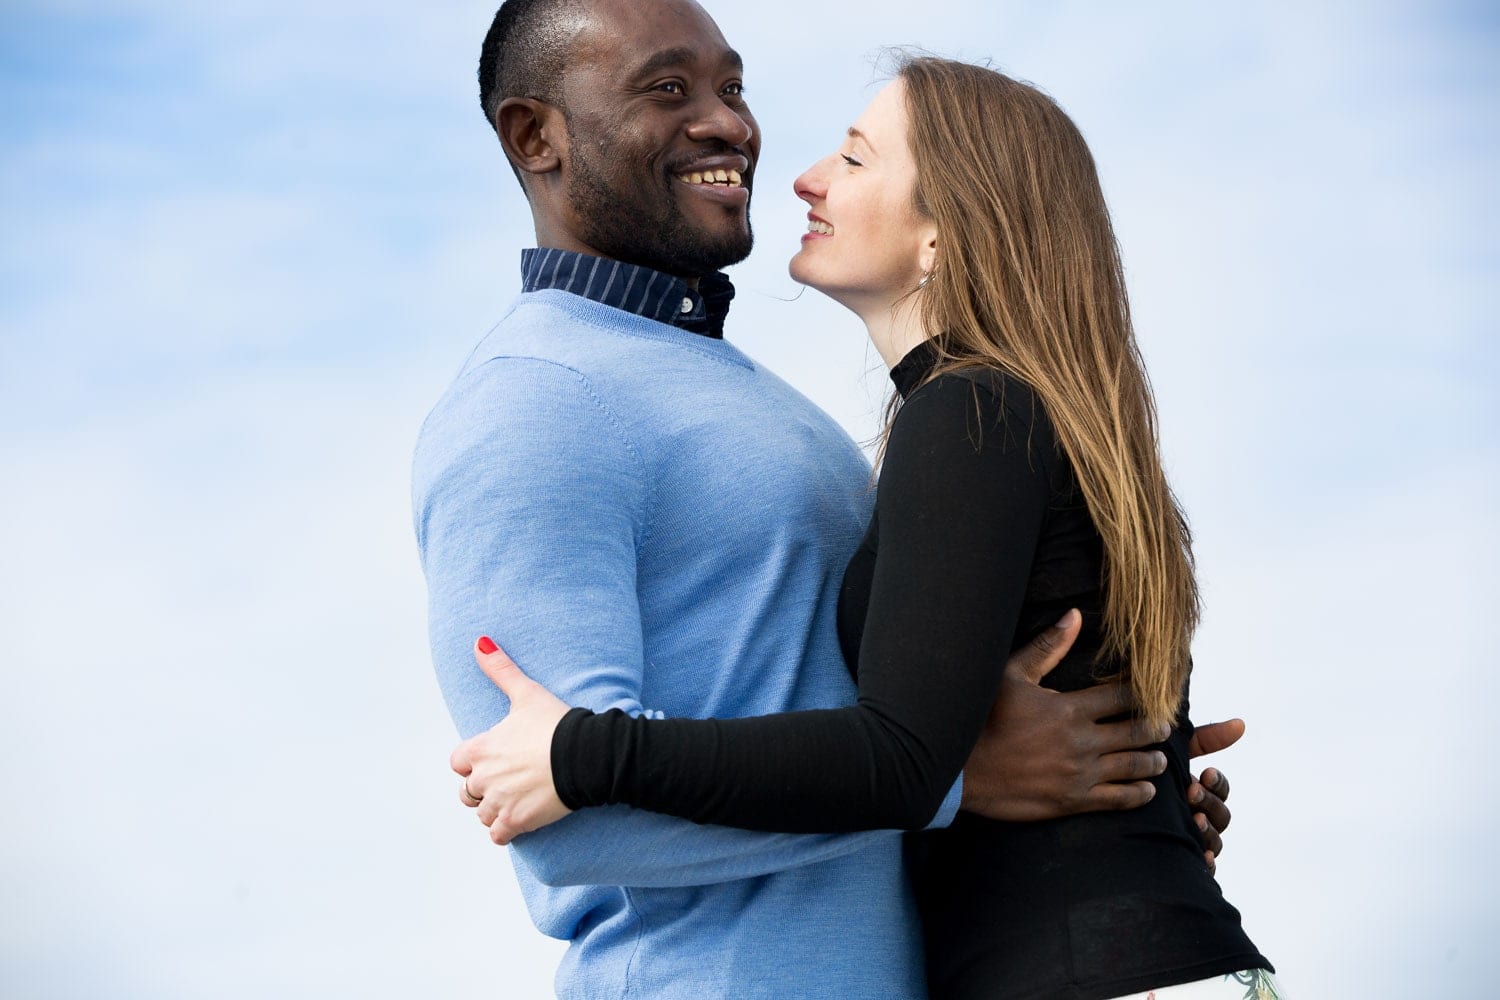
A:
(487, 645)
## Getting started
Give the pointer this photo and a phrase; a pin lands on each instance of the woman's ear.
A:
(927, 255)
(532, 133)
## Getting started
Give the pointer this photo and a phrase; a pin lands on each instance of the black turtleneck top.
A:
(979, 540)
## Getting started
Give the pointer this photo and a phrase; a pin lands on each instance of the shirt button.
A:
(687, 305)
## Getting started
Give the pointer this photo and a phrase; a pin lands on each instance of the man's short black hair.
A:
(525, 52)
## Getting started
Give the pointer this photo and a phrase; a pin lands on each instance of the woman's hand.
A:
(507, 771)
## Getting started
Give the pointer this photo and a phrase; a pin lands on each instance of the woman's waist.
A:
(1072, 901)
(1089, 853)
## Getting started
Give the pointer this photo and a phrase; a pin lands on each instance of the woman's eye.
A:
(851, 160)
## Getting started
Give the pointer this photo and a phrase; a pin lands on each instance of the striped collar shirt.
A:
(630, 287)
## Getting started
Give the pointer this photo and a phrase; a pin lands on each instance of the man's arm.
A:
(529, 502)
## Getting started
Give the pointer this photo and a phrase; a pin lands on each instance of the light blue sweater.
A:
(648, 520)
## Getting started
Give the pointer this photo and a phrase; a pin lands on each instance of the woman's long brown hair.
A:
(1029, 280)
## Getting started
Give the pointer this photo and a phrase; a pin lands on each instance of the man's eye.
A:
(735, 90)
(672, 87)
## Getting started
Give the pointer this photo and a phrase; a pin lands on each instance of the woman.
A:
(963, 221)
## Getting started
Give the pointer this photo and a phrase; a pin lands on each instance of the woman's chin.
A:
(803, 275)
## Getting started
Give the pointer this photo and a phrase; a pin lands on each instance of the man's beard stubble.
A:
(653, 234)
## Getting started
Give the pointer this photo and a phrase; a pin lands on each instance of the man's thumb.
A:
(1215, 736)
(1046, 651)
(499, 668)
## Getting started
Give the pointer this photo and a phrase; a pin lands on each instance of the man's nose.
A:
(719, 121)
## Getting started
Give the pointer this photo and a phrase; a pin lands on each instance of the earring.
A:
(926, 277)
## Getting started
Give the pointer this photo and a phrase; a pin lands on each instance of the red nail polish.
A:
(487, 645)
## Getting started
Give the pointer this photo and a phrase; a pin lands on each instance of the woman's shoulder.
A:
(983, 396)
(981, 432)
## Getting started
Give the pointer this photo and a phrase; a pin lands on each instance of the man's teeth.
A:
(819, 226)
(729, 177)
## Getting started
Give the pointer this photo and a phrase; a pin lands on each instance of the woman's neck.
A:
(896, 329)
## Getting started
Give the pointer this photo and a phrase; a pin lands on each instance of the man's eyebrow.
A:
(681, 56)
(855, 133)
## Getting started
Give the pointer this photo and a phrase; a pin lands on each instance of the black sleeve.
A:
(959, 509)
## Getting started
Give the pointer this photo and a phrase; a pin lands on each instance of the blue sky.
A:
(245, 245)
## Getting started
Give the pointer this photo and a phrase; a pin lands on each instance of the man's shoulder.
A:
(609, 346)
(514, 431)
(552, 327)
(522, 399)
(539, 347)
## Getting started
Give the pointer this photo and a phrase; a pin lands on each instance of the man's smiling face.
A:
(661, 145)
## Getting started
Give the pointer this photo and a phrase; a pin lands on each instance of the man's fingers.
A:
(1036, 659)
(1210, 805)
(1215, 736)
(1104, 700)
(1212, 843)
(1134, 765)
(1217, 782)
(1154, 732)
(1119, 796)
(500, 668)
(1128, 734)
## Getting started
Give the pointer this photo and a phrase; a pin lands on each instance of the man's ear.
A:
(532, 133)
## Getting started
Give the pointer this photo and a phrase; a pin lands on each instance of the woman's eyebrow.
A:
(855, 133)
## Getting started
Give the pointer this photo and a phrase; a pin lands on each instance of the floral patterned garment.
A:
(1251, 984)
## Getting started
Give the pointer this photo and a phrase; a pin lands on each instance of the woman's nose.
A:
(813, 184)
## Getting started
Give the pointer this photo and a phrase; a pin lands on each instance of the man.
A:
(649, 520)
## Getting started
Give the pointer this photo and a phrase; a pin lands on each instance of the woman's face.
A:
(866, 244)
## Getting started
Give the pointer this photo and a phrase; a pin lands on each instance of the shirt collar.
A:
(640, 290)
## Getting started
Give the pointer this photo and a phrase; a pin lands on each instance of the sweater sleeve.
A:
(959, 510)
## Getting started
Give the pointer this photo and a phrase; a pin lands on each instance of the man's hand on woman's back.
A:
(1045, 754)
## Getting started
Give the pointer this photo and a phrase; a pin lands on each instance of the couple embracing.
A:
(748, 671)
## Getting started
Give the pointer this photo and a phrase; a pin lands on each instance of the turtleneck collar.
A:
(909, 372)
